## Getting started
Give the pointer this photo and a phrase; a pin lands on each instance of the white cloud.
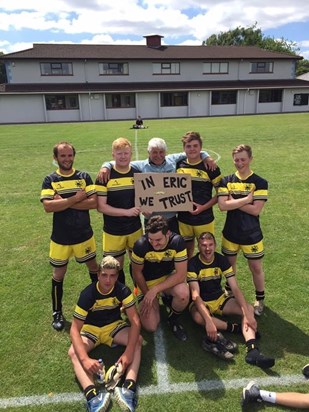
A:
(102, 21)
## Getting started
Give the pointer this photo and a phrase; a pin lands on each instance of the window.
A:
(300, 99)
(270, 96)
(224, 97)
(215, 68)
(174, 99)
(56, 69)
(61, 102)
(120, 100)
(113, 68)
(166, 68)
(262, 67)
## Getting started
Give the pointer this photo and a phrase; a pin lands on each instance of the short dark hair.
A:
(56, 148)
(156, 224)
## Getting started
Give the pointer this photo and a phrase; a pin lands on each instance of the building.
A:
(71, 83)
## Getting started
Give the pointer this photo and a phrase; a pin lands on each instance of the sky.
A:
(181, 22)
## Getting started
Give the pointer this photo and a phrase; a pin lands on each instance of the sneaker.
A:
(178, 330)
(254, 357)
(306, 371)
(228, 344)
(216, 348)
(99, 403)
(251, 393)
(126, 399)
(58, 321)
(258, 307)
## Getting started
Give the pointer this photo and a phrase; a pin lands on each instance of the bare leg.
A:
(85, 379)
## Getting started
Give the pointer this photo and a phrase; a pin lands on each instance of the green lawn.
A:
(33, 357)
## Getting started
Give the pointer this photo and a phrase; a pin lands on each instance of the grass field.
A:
(36, 374)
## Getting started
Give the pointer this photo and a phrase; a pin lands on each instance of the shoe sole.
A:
(219, 354)
(306, 371)
(123, 406)
(245, 400)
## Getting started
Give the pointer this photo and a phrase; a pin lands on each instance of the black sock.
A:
(173, 315)
(129, 384)
(93, 276)
(234, 328)
(90, 392)
(57, 293)
(250, 345)
(121, 277)
(259, 295)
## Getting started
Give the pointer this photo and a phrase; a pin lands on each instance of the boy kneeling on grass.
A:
(97, 320)
(205, 272)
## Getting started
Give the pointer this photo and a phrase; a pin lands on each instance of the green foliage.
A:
(253, 36)
(33, 356)
(3, 78)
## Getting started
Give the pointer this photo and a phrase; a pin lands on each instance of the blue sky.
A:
(186, 22)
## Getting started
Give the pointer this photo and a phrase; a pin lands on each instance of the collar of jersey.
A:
(238, 175)
(61, 174)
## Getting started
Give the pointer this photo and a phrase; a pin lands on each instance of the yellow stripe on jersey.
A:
(80, 313)
(211, 273)
(156, 256)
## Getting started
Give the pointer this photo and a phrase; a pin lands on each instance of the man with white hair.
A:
(158, 162)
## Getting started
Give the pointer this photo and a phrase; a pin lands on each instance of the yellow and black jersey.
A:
(241, 227)
(120, 193)
(98, 309)
(209, 275)
(158, 263)
(71, 226)
(203, 181)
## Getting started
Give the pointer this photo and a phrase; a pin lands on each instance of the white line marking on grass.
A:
(162, 365)
(217, 154)
(202, 386)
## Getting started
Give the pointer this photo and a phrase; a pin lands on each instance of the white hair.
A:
(158, 143)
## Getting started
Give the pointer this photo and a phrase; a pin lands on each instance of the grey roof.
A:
(133, 52)
(149, 86)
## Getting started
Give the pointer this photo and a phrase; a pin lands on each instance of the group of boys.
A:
(162, 261)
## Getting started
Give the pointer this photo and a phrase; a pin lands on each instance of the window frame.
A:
(301, 99)
(213, 64)
(120, 100)
(270, 95)
(57, 69)
(220, 97)
(262, 67)
(123, 68)
(173, 99)
(166, 68)
(61, 101)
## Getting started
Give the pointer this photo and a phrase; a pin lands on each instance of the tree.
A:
(3, 78)
(253, 36)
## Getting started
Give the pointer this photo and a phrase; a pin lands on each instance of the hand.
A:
(91, 365)
(250, 321)
(133, 212)
(147, 214)
(197, 209)
(250, 197)
(147, 302)
(80, 195)
(126, 359)
(210, 163)
(103, 175)
(211, 331)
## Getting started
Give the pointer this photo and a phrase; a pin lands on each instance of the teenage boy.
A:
(204, 180)
(97, 320)
(243, 195)
(116, 200)
(205, 273)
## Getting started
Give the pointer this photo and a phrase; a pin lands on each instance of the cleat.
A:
(178, 330)
(255, 358)
(126, 399)
(58, 321)
(251, 393)
(113, 376)
(99, 403)
(228, 344)
(258, 307)
(306, 371)
(216, 348)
